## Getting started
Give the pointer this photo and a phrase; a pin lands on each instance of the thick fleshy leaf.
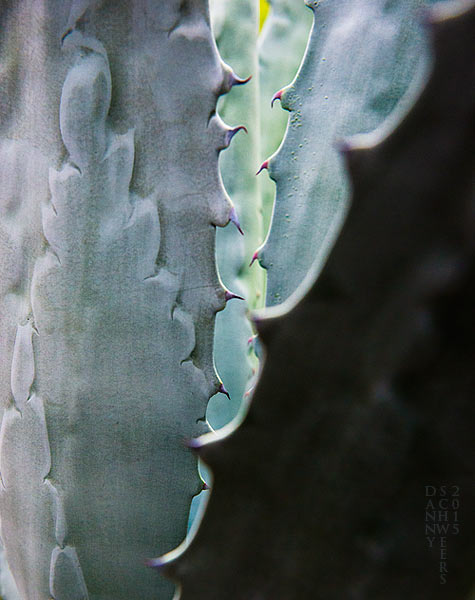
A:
(281, 47)
(362, 57)
(366, 395)
(236, 26)
(109, 201)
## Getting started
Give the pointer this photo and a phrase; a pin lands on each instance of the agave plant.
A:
(110, 198)
(364, 401)
(111, 195)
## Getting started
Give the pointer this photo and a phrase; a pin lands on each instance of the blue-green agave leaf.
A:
(362, 57)
(366, 394)
(281, 47)
(110, 196)
(236, 26)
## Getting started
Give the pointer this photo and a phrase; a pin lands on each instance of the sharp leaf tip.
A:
(224, 391)
(265, 165)
(276, 96)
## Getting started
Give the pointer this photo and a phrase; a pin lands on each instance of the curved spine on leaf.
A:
(110, 197)
(235, 25)
(361, 59)
(366, 384)
(282, 45)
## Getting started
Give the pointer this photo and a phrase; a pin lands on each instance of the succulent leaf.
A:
(236, 27)
(281, 47)
(110, 197)
(362, 57)
(367, 381)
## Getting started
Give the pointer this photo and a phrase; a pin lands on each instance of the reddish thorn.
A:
(155, 563)
(224, 391)
(229, 296)
(265, 165)
(234, 219)
(276, 96)
(205, 486)
(235, 80)
(243, 127)
(250, 340)
(255, 256)
(232, 132)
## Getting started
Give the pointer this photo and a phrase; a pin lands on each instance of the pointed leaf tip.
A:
(224, 391)
(232, 132)
(276, 96)
(65, 34)
(234, 219)
(235, 80)
(255, 256)
(265, 165)
(230, 296)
